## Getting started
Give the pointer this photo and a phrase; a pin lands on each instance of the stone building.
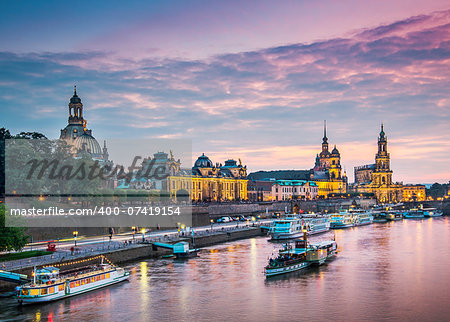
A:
(326, 173)
(294, 189)
(414, 192)
(78, 136)
(377, 178)
(211, 182)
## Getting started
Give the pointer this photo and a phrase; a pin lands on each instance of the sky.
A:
(252, 79)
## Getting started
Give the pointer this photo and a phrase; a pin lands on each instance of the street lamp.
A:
(212, 222)
(75, 235)
(134, 231)
(143, 234)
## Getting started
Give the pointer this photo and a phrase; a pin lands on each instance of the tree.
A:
(11, 238)
(437, 190)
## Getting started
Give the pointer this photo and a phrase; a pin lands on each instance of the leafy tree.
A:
(11, 238)
(437, 190)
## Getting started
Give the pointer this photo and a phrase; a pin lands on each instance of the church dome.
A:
(86, 142)
(335, 151)
(203, 162)
(75, 99)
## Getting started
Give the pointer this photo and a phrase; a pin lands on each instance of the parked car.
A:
(223, 220)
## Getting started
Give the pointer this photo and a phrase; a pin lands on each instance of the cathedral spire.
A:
(325, 129)
(74, 90)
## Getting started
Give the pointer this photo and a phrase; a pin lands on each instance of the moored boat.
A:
(293, 226)
(432, 212)
(287, 228)
(414, 214)
(393, 215)
(363, 218)
(49, 284)
(342, 220)
(316, 224)
(379, 217)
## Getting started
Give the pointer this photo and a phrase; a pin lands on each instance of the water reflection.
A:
(396, 270)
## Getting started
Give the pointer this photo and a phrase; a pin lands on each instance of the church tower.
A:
(382, 174)
(75, 109)
(325, 139)
(324, 155)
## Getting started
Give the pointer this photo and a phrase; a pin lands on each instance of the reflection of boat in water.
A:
(49, 284)
(293, 225)
(300, 255)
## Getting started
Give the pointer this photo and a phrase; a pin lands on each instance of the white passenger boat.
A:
(293, 225)
(363, 218)
(342, 220)
(316, 224)
(49, 284)
(287, 228)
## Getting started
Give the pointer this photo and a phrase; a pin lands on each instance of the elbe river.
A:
(394, 271)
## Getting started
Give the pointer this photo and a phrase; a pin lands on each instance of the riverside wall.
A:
(145, 251)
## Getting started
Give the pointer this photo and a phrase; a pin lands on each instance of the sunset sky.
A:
(243, 79)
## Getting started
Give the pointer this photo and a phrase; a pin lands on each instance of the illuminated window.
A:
(102, 276)
(61, 287)
(107, 275)
(34, 291)
(72, 284)
(25, 291)
(51, 290)
(92, 279)
(77, 283)
(97, 278)
(88, 280)
(83, 281)
(43, 291)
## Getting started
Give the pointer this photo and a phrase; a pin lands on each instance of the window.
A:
(83, 281)
(44, 291)
(107, 275)
(51, 290)
(72, 284)
(34, 291)
(102, 276)
(97, 278)
(88, 280)
(92, 279)
(61, 287)
(77, 283)
(25, 291)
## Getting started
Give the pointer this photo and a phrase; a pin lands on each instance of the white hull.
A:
(68, 292)
(280, 236)
(287, 269)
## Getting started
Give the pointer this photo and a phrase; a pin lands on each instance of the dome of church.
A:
(86, 142)
(335, 151)
(75, 99)
(203, 162)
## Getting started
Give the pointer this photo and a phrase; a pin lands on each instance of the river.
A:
(393, 271)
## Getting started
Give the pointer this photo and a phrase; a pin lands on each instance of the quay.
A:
(118, 252)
